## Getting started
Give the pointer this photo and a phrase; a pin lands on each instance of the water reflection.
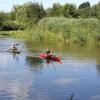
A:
(48, 61)
(15, 81)
(25, 76)
(34, 63)
(98, 68)
(63, 81)
(15, 56)
(95, 97)
(74, 50)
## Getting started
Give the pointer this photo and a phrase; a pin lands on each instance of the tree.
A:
(96, 11)
(69, 10)
(3, 17)
(29, 13)
(55, 11)
(12, 15)
(49, 12)
(84, 5)
(84, 10)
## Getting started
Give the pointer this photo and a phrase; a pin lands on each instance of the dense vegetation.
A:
(61, 22)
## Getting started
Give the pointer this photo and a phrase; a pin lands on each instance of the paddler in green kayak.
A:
(14, 47)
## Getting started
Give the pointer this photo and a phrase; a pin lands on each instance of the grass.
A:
(80, 30)
(63, 29)
(8, 33)
(34, 34)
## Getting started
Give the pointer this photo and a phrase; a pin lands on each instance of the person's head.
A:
(47, 49)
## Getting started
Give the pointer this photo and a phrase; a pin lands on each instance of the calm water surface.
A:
(25, 76)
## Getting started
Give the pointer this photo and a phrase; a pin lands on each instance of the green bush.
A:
(81, 30)
(64, 29)
(10, 25)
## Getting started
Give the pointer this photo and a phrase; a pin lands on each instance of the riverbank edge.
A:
(41, 36)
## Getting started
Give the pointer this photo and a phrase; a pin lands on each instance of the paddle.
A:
(9, 44)
(17, 44)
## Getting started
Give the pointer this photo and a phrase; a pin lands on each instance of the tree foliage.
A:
(3, 17)
(84, 5)
(56, 10)
(29, 13)
(70, 10)
(96, 11)
(84, 10)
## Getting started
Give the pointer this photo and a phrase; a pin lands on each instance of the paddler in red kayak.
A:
(49, 52)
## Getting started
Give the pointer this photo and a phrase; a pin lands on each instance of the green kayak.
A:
(15, 51)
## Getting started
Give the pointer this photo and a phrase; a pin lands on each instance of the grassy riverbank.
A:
(6, 33)
(63, 29)
(66, 23)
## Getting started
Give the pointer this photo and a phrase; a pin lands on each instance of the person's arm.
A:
(52, 52)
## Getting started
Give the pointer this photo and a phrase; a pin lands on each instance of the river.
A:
(25, 76)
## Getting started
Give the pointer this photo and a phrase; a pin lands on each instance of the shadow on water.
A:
(71, 97)
(48, 61)
(15, 55)
(34, 63)
(98, 69)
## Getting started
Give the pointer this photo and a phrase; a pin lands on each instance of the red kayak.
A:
(51, 57)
